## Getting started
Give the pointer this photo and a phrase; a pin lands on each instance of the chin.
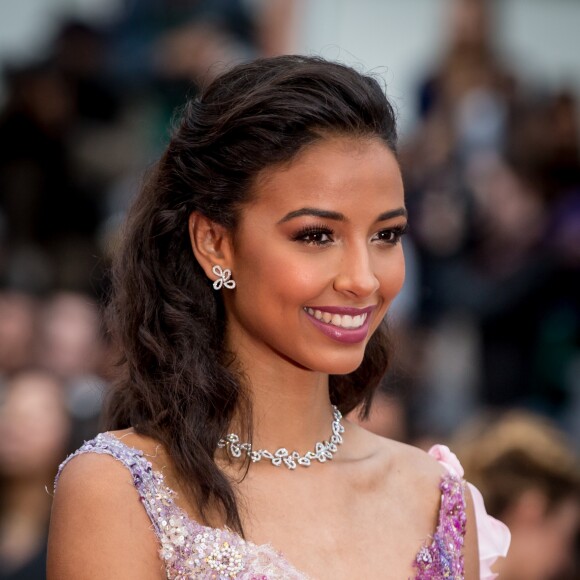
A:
(340, 365)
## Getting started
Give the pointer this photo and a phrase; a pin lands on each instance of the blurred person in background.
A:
(530, 478)
(493, 181)
(70, 344)
(463, 106)
(79, 123)
(69, 335)
(161, 50)
(18, 326)
(48, 212)
(544, 149)
(34, 435)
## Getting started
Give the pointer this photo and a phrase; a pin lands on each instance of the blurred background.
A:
(487, 329)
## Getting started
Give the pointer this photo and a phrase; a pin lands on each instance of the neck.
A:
(295, 416)
(291, 406)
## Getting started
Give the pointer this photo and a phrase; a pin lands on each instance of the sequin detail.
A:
(443, 557)
(193, 551)
(189, 549)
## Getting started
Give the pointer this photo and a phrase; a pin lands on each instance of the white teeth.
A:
(344, 321)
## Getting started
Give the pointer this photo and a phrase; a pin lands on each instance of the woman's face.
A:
(317, 257)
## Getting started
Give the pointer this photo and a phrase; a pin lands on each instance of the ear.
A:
(211, 243)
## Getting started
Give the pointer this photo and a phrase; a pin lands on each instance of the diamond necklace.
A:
(323, 450)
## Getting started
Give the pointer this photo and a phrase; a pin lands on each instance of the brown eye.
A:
(387, 236)
(391, 236)
(314, 236)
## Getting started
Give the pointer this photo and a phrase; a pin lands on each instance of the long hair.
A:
(178, 384)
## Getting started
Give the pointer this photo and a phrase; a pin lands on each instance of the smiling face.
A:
(317, 257)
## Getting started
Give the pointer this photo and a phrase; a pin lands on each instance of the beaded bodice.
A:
(190, 550)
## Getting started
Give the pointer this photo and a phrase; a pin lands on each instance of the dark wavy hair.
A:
(177, 382)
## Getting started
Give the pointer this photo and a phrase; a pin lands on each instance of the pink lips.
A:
(345, 335)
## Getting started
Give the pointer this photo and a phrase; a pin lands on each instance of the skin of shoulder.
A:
(99, 528)
(429, 472)
(417, 474)
(400, 464)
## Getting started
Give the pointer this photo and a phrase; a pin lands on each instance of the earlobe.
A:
(210, 243)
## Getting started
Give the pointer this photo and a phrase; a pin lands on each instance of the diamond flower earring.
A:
(223, 278)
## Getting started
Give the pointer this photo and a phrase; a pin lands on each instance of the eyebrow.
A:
(388, 215)
(337, 216)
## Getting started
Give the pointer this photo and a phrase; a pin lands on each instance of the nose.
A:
(356, 276)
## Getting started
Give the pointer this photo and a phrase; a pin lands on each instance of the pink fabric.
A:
(493, 536)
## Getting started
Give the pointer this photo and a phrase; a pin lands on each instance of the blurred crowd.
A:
(492, 177)
(78, 127)
(486, 332)
(55, 364)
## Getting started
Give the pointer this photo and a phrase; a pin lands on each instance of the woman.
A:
(258, 263)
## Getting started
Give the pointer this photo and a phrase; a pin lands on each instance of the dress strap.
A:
(148, 483)
(493, 536)
(443, 557)
(187, 548)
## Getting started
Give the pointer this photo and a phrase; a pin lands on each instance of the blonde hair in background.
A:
(508, 455)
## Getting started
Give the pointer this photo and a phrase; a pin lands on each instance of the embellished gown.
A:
(190, 550)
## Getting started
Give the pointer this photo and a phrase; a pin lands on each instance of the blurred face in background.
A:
(543, 537)
(470, 22)
(34, 425)
(69, 342)
(17, 329)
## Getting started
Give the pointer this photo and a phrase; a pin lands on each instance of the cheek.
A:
(392, 276)
(279, 276)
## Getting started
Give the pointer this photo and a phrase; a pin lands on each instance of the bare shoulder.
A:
(415, 463)
(414, 477)
(399, 463)
(418, 476)
(99, 528)
(405, 472)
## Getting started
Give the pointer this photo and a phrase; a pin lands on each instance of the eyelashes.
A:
(322, 235)
(392, 235)
(314, 235)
